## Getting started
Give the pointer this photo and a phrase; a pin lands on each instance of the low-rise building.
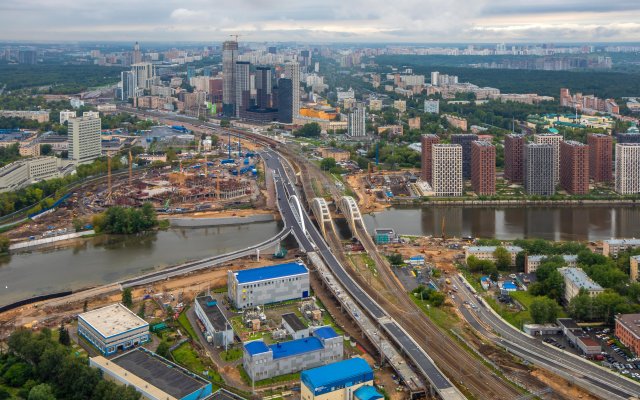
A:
(575, 279)
(39, 116)
(294, 326)
(273, 284)
(486, 252)
(339, 380)
(219, 331)
(414, 123)
(113, 328)
(262, 361)
(339, 155)
(22, 173)
(612, 247)
(633, 270)
(400, 105)
(541, 329)
(391, 130)
(155, 377)
(456, 122)
(533, 261)
(628, 331)
(588, 346)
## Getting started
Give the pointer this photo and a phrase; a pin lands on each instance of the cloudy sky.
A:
(322, 21)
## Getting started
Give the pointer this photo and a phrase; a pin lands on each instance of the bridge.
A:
(320, 210)
(349, 207)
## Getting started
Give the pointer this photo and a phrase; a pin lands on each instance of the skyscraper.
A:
(292, 71)
(285, 101)
(539, 159)
(263, 87)
(483, 168)
(145, 75)
(628, 168)
(243, 86)
(574, 167)
(129, 85)
(427, 142)
(465, 140)
(229, 57)
(136, 57)
(85, 144)
(600, 157)
(447, 169)
(513, 154)
(356, 125)
(27, 56)
(554, 140)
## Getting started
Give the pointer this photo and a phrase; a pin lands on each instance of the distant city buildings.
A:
(292, 71)
(587, 103)
(574, 167)
(38, 116)
(446, 169)
(627, 178)
(539, 165)
(483, 168)
(513, 157)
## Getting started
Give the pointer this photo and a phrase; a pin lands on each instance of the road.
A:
(583, 373)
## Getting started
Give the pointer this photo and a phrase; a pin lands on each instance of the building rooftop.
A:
(540, 257)
(488, 249)
(589, 342)
(353, 370)
(213, 313)
(161, 373)
(271, 272)
(112, 320)
(295, 347)
(631, 322)
(367, 392)
(256, 347)
(579, 278)
(325, 332)
(626, 242)
(294, 322)
(222, 394)
(568, 323)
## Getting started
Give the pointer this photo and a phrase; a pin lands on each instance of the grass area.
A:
(271, 381)
(188, 357)
(231, 354)
(164, 224)
(186, 325)
(511, 315)
(441, 316)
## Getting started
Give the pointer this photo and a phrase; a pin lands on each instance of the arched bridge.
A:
(351, 211)
(321, 211)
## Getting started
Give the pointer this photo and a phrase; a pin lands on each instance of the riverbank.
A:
(202, 222)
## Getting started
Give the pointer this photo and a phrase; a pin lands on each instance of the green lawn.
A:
(186, 325)
(231, 354)
(441, 316)
(271, 381)
(187, 356)
(517, 318)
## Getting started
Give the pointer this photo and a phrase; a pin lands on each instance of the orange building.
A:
(628, 331)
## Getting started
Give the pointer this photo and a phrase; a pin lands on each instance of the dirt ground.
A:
(218, 214)
(366, 201)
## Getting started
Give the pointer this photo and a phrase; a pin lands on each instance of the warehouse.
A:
(113, 328)
(218, 329)
(266, 285)
(294, 327)
(262, 361)
(340, 380)
(155, 377)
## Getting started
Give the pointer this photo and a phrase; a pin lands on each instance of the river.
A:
(106, 259)
(506, 223)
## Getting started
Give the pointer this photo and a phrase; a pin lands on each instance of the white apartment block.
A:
(432, 106)
(66, 115)
(554, 140)
(627, 168)
(576, 279)
(357, 121)
(84, 139)
(486, 252)
(20, 174)
(447, 169)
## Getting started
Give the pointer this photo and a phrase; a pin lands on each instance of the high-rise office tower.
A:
(356, 124)
(554, 140)
(628, 168)
(145, 75)
(243, 86)
(129, 85)
(285, 101)
(574, 167)
(427, 142)
(263, 87)
(465, 140)
(513, 154)
(136, 57)
(539, 159)
(229, 58)
(305, 58)
(483, 168)
(292, 71)
(85, 144)
(600, 157)
(447, 169)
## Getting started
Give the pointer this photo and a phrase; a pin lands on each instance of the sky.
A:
(415, 21)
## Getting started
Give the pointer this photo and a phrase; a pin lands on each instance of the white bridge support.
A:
(351, 211)
(321, 211)
(297, 212)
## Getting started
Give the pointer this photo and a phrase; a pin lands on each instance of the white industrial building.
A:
(113, 328)
(22, 173)
(218, 329)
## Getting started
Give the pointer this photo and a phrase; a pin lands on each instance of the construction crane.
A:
(130, 168)
(235, 36)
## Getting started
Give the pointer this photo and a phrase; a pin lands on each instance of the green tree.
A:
(311, 129)
(4, 244)
(327, 164)
(17, 374)
(502, 257)
(41, 392)
(64, 337)
(163, 349)
(581, 307)
(543, 310)
(395, 259)
(127, 297)
(46, 149)
(225, 123)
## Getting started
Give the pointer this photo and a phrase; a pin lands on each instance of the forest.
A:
(62, 79)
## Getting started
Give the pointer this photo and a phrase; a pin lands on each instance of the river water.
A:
(551, 223)
(107, 259)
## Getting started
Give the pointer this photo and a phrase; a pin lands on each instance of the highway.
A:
(583, 373)
(312, 241)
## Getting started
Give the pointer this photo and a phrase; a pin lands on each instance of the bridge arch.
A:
(351, 211)
(298, 212)
(320, 210)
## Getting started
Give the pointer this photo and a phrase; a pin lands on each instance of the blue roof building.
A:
(346, 376)
(266, 285)
(262, 361)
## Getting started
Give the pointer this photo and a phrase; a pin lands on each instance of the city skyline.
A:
(360, 21)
